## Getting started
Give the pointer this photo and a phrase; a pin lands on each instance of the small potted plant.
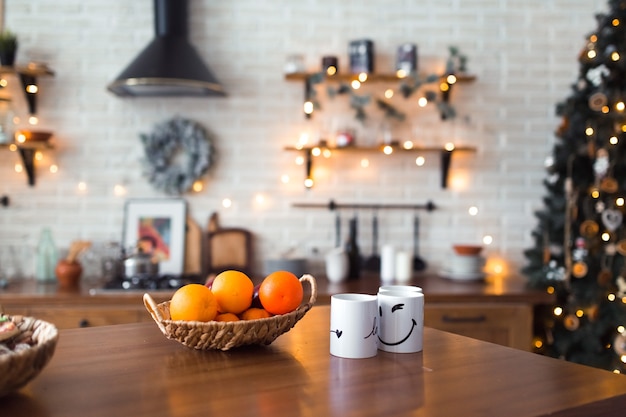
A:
(8, 47)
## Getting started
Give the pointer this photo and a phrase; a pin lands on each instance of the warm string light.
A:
(197, 186)
(119, 190)
(308, 107)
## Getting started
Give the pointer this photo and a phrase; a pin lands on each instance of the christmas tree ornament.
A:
(600, 206)
(589, 229)
(571, 322)
(619, 344)
(621, 247)
(601, 164)
(604, 277)
(621, 286)
(593, 312)
(579, 269)
(596, 75)
(610, 250)
(597, 101)
(580, 251)
(609, 185)
(612, 219)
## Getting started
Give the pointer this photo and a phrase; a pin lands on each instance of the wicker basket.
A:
(17, 368)
(227, 335)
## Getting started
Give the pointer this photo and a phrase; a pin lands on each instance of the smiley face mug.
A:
(400, 321)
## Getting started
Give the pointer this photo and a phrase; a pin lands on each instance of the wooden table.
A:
(133, 370)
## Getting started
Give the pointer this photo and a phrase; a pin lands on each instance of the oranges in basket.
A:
(193, 302)
(233, 291)
(280, 292)
(230, 297)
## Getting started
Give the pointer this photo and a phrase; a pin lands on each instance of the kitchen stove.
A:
(150, 282)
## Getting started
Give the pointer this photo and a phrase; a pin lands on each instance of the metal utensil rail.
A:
(332, 205)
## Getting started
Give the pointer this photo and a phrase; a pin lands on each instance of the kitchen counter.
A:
(436, 289)
(133, 370)
(498, 309)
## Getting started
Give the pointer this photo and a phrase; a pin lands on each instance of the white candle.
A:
(404, 266)
(387, 263)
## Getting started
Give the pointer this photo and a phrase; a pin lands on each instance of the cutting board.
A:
(228, 248)
(193, 247)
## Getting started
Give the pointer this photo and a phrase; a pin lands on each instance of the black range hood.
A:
(169, 66)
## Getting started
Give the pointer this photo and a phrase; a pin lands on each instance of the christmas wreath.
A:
(177, 153)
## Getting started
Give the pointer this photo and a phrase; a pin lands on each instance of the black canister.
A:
(361, 54)
(407, 58)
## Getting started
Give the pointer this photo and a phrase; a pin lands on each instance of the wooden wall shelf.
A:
(27, 152)
(445, 155)
(28, 75)
(392, 77)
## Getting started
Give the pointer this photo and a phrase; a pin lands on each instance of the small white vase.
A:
(337, 265)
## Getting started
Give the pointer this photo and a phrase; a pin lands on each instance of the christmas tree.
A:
(580, 239)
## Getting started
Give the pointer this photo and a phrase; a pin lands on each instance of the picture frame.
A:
(161, 223)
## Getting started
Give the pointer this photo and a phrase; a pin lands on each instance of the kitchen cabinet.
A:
(70, 317)
(69, 309)
(507, 324)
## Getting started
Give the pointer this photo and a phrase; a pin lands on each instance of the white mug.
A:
(353, 325)
(400, 288)
(337, 265)
(401, 321)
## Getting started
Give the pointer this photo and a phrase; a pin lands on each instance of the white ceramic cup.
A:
(337, 265)
(353, 325)
(399, 288)
(401, 321)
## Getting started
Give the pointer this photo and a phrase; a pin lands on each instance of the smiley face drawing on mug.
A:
(411, 324)
(401, 321)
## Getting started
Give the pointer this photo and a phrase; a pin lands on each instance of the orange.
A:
(226, 317)
(280, 292)
(233, 291)
(254, 313)
(193, 302)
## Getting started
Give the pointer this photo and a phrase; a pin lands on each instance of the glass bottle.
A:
(352, 250)
(47, 257)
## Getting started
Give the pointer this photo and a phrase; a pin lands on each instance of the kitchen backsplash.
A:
(522, 53)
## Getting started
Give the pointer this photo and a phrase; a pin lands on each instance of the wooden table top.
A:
(133, 370)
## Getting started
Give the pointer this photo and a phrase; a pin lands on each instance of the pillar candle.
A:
(387, 263)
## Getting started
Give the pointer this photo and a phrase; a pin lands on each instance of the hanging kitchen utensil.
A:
(337, 230)
(418, 263)
(373, 262)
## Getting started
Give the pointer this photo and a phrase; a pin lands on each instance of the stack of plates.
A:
(464, 267)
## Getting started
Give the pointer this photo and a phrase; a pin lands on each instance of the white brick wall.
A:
(523, 53)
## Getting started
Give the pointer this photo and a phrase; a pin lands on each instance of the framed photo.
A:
(158, 225)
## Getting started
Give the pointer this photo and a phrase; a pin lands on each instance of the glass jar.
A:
(47, 257)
